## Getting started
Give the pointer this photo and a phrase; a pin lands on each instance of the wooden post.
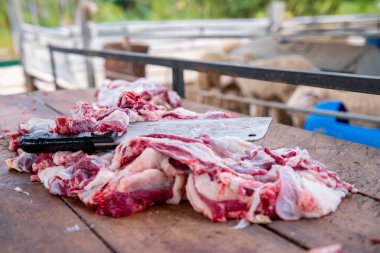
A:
(85, 18)
(33, 9)
(276, 12)
(15, 22)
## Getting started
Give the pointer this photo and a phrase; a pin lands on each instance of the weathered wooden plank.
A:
(353, 225)
(178, 228)
(39, 222)
(64, 100)
(35, 222)
(18, 108)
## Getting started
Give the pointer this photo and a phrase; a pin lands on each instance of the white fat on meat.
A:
(147, 179)
(195, 200)
(119, 116)
(12, 164)
(35, 124)
(180, 113)
(148, 159)
(150, 170)
(110, 92)
(225, 188)
(149, 115)
(134, 116)
(327, 198)
(178, 189)
(101, 179)
(302, 196)
(60, 157)
(47, 174)
(229, 146)
(290, 187)
(67, 157)
(198, 152)
(335, 248)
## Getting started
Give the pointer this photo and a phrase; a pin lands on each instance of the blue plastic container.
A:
(341, 128)
(374, 41)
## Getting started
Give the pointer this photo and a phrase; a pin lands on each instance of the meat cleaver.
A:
(246, 128)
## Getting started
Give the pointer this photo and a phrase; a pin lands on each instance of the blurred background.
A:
(329, 35)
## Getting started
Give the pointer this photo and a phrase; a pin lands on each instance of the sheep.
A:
(215, 83)
(280, 92)
(211, 80)
(214, 80)
(355, 102)
(273, 91)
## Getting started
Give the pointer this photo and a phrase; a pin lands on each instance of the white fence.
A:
(175, 38)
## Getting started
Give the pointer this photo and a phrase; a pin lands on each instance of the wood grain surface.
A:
(353, 225)
(36, 222)
(180, 228)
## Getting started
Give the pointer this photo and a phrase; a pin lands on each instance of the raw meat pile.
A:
(108, 115)
(223, 178)
(110, 92)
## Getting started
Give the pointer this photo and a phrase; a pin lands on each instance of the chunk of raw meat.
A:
(33, 125)
(88, 117)
(116, 121)
(133, 103)
(23, 162)
(120, 103)
(233, 185)
(301, 195)
(67, 157)
(224, 178)
(13, 141)
(37, 124)
(150, 178)
(109, 93)
(43, 161)
(69, 180)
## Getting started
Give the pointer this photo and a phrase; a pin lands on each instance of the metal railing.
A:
(328, 80)
(282, 106)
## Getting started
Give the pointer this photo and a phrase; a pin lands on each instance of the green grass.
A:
(355, 7)
(6, 45)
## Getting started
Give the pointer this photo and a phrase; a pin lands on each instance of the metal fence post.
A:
(178, 82)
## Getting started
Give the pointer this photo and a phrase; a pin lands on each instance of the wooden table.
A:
(38, 223)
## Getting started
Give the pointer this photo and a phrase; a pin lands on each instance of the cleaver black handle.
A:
(47, 142)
